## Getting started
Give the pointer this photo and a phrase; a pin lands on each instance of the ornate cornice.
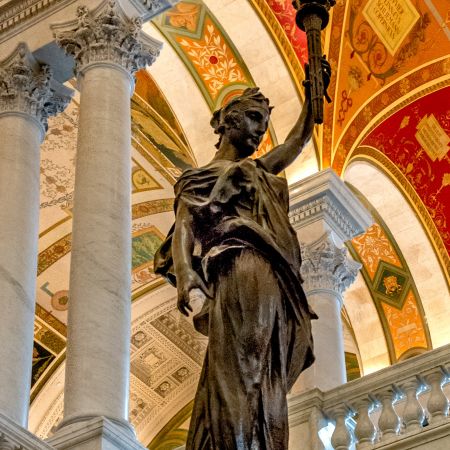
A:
(107, 36)
(326, 266)
(323, 207)
(27, 87)
(13, 13)
(324, 196)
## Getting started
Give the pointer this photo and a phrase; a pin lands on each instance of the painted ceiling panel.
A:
(285, 15)
(210, 56)
(393, 291)
(383, 43)
(417, 140)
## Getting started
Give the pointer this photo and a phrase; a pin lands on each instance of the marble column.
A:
(108, 48)
(327, 271)
(28, 95)
(325, 214)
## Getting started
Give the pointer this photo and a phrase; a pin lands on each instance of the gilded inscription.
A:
(432, 137)
(392, 20)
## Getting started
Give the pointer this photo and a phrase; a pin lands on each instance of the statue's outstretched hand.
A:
(326, 76)
(187, 281)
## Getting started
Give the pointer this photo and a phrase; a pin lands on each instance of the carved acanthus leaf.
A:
(326, 266)
(27, 87)
(108, 36)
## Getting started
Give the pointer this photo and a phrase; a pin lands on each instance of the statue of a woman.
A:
(232, 240)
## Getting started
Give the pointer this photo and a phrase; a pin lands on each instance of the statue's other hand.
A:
(326, 72)
(326, 77)
(187, 281)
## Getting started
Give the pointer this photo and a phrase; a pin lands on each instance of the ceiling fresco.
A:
(210, 56)
(367, 62)
(392, 288)
(416, 139)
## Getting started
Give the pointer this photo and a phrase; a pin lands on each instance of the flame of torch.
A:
(312, 17)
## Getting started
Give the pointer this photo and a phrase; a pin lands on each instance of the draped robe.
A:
(258, 321)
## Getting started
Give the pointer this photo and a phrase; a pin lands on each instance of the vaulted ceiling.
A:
(387, 133)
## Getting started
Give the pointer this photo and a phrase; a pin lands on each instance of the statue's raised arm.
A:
(283, 155)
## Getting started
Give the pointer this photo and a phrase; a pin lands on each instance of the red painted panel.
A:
(396, 138)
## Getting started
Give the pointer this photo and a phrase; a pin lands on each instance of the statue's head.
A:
(244, 119)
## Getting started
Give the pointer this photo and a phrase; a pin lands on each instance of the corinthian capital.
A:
(107, 36)
(28, 87)
(326, 266)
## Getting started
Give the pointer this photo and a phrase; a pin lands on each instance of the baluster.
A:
(365, 430)
(389, 422)
(413, 414)
(5, 444)
(437, 404)
(341, 439)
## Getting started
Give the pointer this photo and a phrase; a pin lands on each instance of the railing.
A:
(387, 409)
(14, 437)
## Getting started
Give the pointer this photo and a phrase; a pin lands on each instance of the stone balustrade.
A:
(15, 437)
(405, 406)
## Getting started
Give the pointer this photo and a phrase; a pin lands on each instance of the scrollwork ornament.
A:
(326, 266)
(108, 36)
(27, 87)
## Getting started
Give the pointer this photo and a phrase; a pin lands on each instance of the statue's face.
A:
(248, 134)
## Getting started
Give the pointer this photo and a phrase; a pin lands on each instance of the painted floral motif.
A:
(58, 158)
(373, 247)
(406, 326)
(213, 59)
(56, 180)
(55, 252)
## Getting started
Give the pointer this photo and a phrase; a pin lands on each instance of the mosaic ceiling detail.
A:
(166, 359)
(209, 55)
(393, 290)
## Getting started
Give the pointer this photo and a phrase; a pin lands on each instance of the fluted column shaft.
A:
(19, 219)
(327, 272)
(26, 99)
(329, 367)
(97, 369)
(108, 49)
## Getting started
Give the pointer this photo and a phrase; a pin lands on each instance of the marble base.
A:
(99, 433)
(14, 436)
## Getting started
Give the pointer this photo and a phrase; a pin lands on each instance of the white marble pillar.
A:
(28, 95)
(325, 214)
(108, 48)
(327, 272)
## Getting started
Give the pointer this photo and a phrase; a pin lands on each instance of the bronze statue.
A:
(232, 240)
